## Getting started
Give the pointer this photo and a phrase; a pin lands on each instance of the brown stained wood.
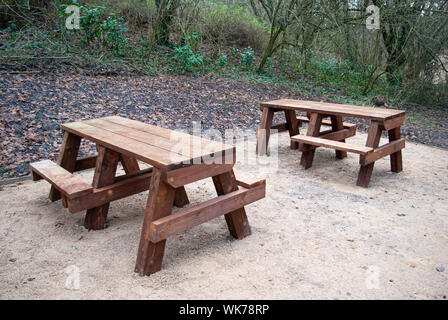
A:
(373, 140)
(62, 180)
(148, 143)
(201, 143)
(236, 220)
(106, 167)
(85, 163)
(135, 149)
(393, 123)
(193, 216)
(396, 159)
(370, 113)
(293, 127)
(181, 197)
(107, 194)
(264, 131)
(168, 145)
(383, 151)
(337, 135)
(130, 165)
(183, 176)
(313, 131)
(336, 125)
(67, 158)
(329, 135)
(346, 125)
(249, 181)
(343, 146)
(132, 175)
(281, 127)
(159, 205)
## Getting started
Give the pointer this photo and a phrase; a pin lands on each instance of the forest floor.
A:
(316, 235)
(32, 107)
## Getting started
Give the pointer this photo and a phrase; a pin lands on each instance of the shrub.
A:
(222, 60)
(227, 26)
(247, 58)
(186, 60)
(98, 28)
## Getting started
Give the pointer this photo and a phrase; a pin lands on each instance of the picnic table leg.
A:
(336, 125)
(396, 160)
(160, 202)
(373, 140)
(67, 158)
(180, 197)
(237, 220)
(106, 167)
(313, 130)
(293, 126)
(130, 165)
(264, 131)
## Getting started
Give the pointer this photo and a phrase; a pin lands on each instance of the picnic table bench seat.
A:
(322, 142)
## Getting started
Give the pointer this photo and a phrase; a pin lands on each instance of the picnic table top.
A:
(370, 113)
(154, 145)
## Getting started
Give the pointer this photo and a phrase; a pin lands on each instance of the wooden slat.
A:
(167, 144)
(203, 144)
(370, 113)
(188, 218)
(147, 153)
(383, 151)
(153, 145)
(67, 183)
(343, 146)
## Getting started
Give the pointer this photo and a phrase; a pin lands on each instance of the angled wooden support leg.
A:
(180, 197)
(373, 140)
(160, 202)
(237, 220)
(293, 126)
(396, 159)
(130, 165)
(313, 130)
(336, 125)
(264, 131)
(67, 158)
(106, 167)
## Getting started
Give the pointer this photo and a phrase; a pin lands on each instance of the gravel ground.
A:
(316, 235)
(33, 106)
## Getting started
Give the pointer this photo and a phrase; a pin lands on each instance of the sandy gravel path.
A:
(316, 235)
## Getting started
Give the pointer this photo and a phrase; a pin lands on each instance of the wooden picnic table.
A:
(316, 112)
(176, 158)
